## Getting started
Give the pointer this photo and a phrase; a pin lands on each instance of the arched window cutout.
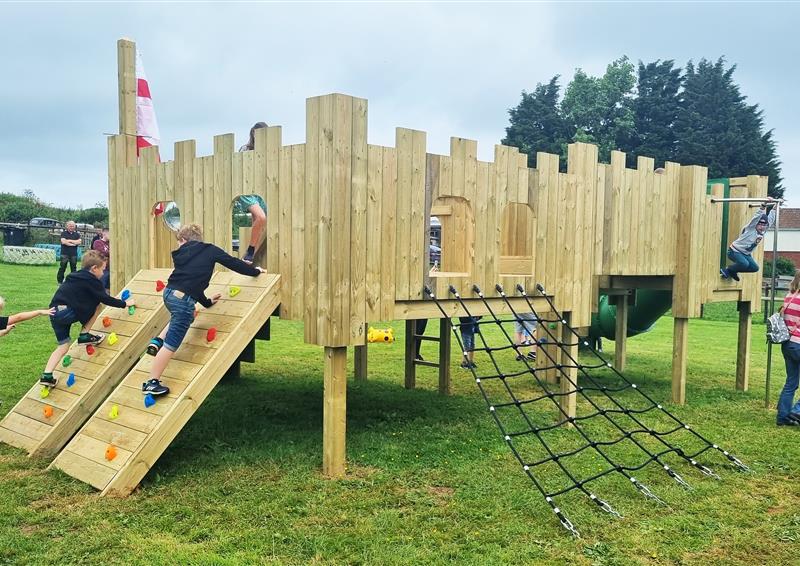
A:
(166, 222)
(456, 237)
(516, 240)
(249, 219)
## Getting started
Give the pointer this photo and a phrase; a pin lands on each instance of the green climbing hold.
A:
(131, 310)
(66, 361)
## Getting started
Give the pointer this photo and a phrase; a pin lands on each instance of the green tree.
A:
(536, 123)
(717, 128)
(655, 110)
(599, 109)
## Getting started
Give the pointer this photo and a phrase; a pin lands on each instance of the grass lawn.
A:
(430, 480)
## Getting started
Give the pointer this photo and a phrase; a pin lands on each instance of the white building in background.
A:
(788, 237)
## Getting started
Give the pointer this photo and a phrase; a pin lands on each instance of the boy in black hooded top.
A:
(76, 300)
(194, 265)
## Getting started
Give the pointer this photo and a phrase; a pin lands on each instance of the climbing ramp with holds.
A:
(622, 431)
(45, 419)
(128, 433)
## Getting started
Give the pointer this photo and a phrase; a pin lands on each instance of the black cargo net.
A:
(528, 373)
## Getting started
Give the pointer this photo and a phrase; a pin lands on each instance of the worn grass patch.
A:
(429, 479)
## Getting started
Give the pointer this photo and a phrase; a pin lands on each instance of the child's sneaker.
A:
(248, 258)
(48, 380)
(532, 356)
(155, 345)
(86, 338)
(734, 276)
(154, 388)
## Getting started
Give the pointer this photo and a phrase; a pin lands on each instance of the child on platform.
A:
(7, 322)
(194, 265)
(77, 300)
(740, 251)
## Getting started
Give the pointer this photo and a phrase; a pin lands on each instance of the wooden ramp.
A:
(42, 426)
(139, 435)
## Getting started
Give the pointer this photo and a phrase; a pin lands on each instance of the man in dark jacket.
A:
(194, 265)
(76, 300)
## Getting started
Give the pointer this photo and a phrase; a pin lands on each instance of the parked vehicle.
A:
(45, 223)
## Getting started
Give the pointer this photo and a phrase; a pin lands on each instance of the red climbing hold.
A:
(211, 335)
(159, 286)
(89, 349)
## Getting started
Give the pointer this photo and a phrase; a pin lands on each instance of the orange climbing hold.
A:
(211, 335)
(48, 411)
(106, 322)
(111, 452)
(159, 286)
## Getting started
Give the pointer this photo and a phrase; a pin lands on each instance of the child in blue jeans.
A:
(468, 327)
(76, 300)
(194, 265)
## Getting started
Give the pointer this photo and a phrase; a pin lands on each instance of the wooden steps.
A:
(140, 435)
(26, 425)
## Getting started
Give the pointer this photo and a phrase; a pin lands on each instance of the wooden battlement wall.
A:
(347, 221)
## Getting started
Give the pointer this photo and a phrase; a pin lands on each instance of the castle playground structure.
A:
(347, 245)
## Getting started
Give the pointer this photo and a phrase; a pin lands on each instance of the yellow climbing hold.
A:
(114, 412)
(233, 291)
(45, 392)
(112, 339)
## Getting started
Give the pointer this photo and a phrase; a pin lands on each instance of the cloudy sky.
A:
(451, 69)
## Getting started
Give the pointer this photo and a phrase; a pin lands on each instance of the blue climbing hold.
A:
(149, 400)
(71, 380)
(126, 294)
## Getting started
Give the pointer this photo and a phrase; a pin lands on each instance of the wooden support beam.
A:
(569, 356)
(334, 412)
(360, 363)
(743, 349)
(411, 354)
(445, 337)
(621, 334)
(679, 356)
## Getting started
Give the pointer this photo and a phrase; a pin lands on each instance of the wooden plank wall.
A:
(347, 221)
(640, 213)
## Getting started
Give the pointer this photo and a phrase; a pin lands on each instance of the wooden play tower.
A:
(348, 226)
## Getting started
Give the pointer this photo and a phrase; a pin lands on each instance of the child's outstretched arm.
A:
(23, 316)
(237, 265)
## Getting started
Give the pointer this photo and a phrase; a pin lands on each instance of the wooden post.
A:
(621, 333)
(411, 354)
(445, 336)
(568, 402)
(743, 350)
(360, 362)
(334, 412)
(126, 79)
(679, 356)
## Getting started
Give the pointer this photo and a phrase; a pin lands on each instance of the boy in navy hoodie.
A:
(76, 300)
(194, 265)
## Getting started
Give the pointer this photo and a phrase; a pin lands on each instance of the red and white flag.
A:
(146, 124)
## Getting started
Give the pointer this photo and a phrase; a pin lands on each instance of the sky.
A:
(450, 69)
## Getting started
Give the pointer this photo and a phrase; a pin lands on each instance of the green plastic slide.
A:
(650, 306)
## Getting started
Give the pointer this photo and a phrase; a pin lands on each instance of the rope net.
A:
(623, 431)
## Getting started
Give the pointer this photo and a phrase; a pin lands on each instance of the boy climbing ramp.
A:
(77, 300)
(194, 265)
(741, 249)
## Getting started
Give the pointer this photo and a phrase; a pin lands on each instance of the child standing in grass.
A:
(524, 329)
(7, 322)
(194, 265)
(77, 300)
(468, 327)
